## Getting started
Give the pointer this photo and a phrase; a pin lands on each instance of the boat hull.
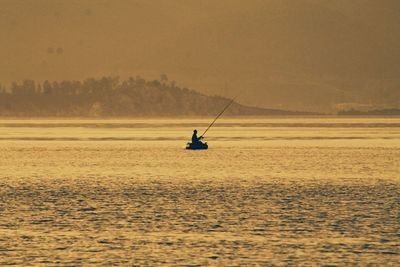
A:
(200, 146)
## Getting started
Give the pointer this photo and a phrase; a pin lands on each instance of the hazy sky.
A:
(297, 54)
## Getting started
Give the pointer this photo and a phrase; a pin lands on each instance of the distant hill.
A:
(110, 97)
(381, 112)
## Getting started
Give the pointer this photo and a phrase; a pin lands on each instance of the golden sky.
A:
(281, 53)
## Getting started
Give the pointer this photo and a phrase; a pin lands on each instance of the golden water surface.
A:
(269, 191)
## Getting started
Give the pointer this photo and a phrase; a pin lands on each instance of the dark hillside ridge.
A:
(110, 97)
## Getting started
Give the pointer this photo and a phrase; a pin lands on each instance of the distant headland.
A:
(111, 97)
(373, 112)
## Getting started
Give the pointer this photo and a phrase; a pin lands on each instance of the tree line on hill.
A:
(111, 97)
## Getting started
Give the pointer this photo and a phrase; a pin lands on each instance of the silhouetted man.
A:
(195, 139)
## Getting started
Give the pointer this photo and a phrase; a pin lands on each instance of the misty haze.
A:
(304, 55)
(199, 133)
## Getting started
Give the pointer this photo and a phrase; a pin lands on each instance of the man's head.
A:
(195, 131)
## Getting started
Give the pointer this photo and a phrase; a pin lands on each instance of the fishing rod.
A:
(219, 115)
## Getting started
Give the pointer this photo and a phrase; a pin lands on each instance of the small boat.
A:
(196, 146)
(199, 145)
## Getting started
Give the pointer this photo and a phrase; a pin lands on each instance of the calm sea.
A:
(269, 191)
